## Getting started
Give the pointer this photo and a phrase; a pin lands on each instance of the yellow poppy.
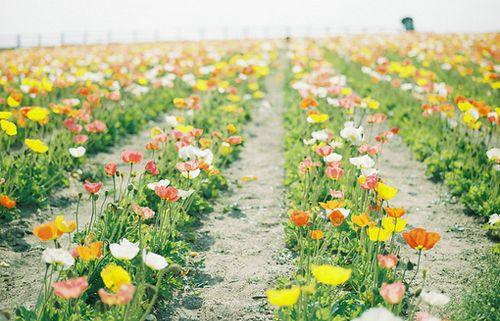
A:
(12, 102)
(5, 114)
(114, 277)
(8, 127)
(63, 225)
(38, 114)
(184, 128)
(36, 145)
(393, 224)
(361, 220)
(331, 275)
(285, 297)
(201, 85)
(317, 118)
(225, 149)
(377, 234)
(385, 191)
(231, 128)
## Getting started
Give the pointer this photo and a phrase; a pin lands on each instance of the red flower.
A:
(92, 188)
(151, 168)
(168, 193)
(131, 157)
(110, 168)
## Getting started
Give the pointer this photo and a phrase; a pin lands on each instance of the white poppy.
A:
(154, 261)
(125, 250)
(58, 256)
(191, 174)
(494, 154)
(333, 157)
(77, 152)
(364, 161)
(163, 182)
(321, 135)
(171, 121)
(377, 314)
(185, 194)
(351, 133)
(434, 298)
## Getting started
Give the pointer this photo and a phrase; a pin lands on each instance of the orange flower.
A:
(420, 239)
(7, 202)
(47, 231)
(333, 204)
(336, 218)
(308, 102)
(299, 218)
(316, 234)
(89, 252)
(361, 220)
(395, 211)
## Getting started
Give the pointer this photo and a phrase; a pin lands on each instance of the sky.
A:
(120, 19)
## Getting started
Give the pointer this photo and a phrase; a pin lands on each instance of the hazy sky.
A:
(55, 16)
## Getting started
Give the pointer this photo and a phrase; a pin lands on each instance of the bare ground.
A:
(453, 260)
(21, 269)
(242, 242)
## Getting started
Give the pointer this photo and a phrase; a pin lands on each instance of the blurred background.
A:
(53, 22)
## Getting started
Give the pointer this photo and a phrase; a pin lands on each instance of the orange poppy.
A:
(316, 234)
(47, 231)
(90, 252)
(7, 202)
(394, 211)
(361, 220)
(333, 204)
(420, 239)
(308, 102)
(336, 218)
(299, 218)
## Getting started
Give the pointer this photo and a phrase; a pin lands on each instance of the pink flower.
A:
(114, 96)
(376, 118)
(161, 138)
(188, 166)
(308, 164)
(124, 295)
(334, 172)
(70, 289)
(72, 126)
(168, 193)
(387, 261)
(235, 140)
(110, 168)
(92, 188)
(131, 157)
(393, 293)
(336, 194)
(151, 168)
(144, 212)
(324, 150)
(96, 126)
(370, 183)
(81, 139)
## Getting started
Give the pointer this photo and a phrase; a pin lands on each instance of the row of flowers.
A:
(131, 249)
(461, 151)
(344, 229)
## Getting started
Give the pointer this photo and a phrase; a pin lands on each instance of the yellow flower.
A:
(234, 98)
(205, 142)
(201, 85)
(8, 127)
(180, 103)
(377, 234)
(258, 94)
(253, 86)
(12, 102)
(372, 103)
(394, 225)
(47, 84)
(155, 131)
(346, 91)
(231, 128)
(386, 192)
(184, 128)
(38, 114)
(63, 225)
(5, 114)
(114, 277)
(36, 145)
(285, 297)
(225, 149)
(317, 118)
(331, 275)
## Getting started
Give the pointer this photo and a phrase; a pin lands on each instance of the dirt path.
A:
(21, 269)
(242, 242)
(453, 260)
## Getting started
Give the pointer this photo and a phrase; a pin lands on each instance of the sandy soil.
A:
(242, 242)
(21, 269)
(453, 260)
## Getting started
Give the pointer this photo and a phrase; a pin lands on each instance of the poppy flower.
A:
(63, 225)
(92, 188)
(388, 261)
(36, 145)
(394, 224)
(110, 169)
(361, 220)
(331, 275)
(386, 192)
(377, 234)
(299, 218)
(154, 261)
(337, 216)
(7, 202)
(334, 172)
(125, 250)
(124, 295)
(47, 231)
(394, 211)
(308, 102)
(420, 239)
(151, 168)
(392, 293)
(59, 257)
(8, 127)
(114, 277)
(144, 212)
(284, 297)
(70, 289)
(90, 252)
(316, 234)
(168, 193)
(131, 157)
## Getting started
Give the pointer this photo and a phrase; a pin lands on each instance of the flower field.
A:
(172, 154)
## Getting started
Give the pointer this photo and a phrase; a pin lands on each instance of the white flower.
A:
(364, 161)
(333, 101)
(494, 154)
(369, 171)
(321, 135)
(333, 157)
(188, 152)
(377, 314)
(185, 194)
(494, 219)
(352, 134)
(191, 174)
(125, 250)
(163, 182)
(309, 142)
(206, 155)
(154, 261)
(171, 121)
(77, 152)
(58, 256)
(434, 298)
(406, 86)
(336, 144)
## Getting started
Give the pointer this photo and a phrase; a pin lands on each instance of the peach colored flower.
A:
(393, 293)
(388, 261)
(70, 289)
(131, 157)
(124, 295)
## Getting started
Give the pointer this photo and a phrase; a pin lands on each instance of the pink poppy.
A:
(70, 289)
(81, 139)
(235, 140)
(151, 168)
(334, 172)
(96, 126)
(387, 261)
(393, 293)
(168, 193)
(110, 168)
(92, 188)
(131, 157)
(324, 150)
(144, 212)
(124, 295)
(308, 165)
